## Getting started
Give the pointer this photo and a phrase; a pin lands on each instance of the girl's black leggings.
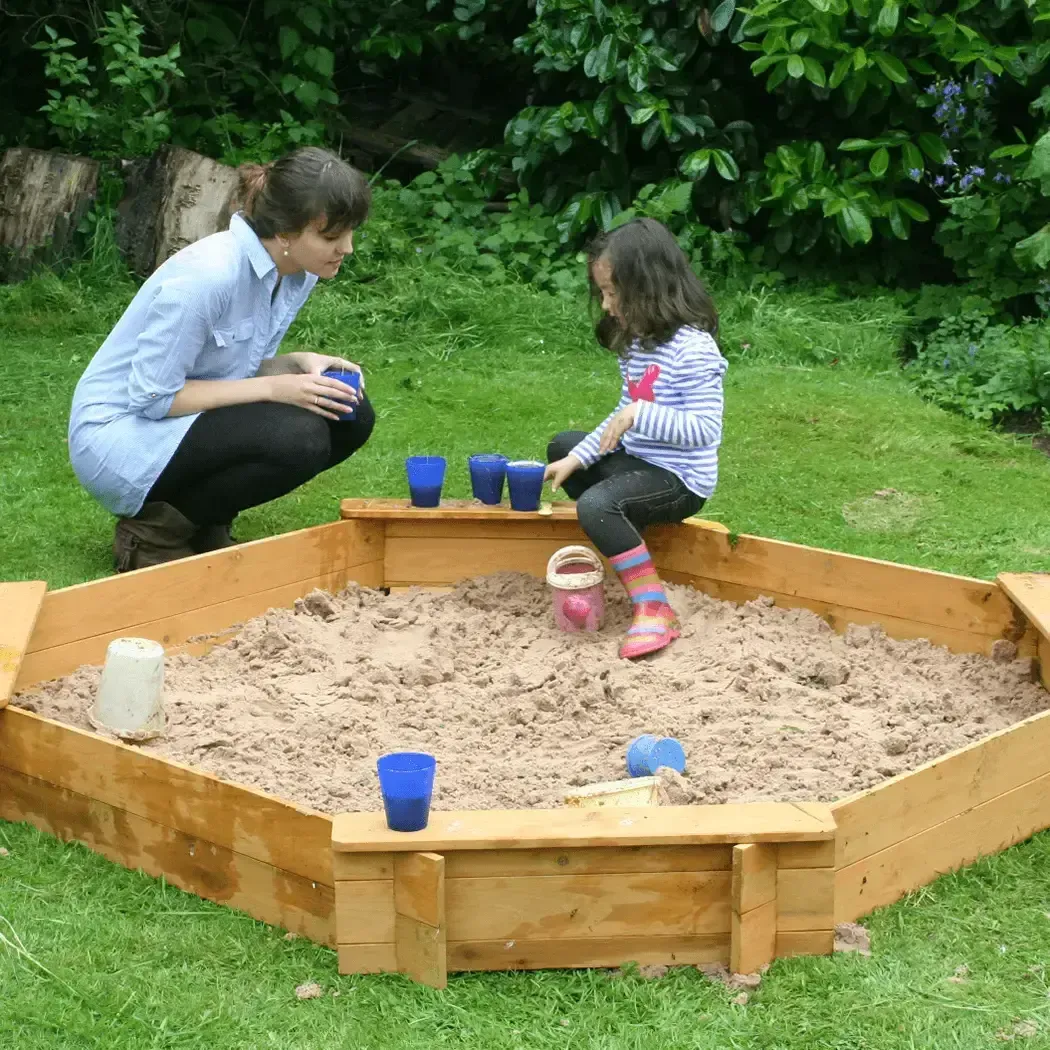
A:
(620, 495)
(239, 456)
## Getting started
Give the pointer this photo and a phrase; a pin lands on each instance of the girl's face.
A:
(314, 251)
(601, 272)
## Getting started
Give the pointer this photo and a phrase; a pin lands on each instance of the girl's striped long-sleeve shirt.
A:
(678, 426)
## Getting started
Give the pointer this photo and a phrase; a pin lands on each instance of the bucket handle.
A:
(574, 582)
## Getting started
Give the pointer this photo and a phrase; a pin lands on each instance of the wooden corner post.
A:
(753, 936)
(419, 918)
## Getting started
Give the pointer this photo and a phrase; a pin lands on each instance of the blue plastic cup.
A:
(426, 475)
(406, 779)
(646, 754)
(525, 481)
(351, 379)
(487, 473)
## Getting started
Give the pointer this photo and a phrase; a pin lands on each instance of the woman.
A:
(185, 416)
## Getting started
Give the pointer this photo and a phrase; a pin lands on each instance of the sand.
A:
(768, 703)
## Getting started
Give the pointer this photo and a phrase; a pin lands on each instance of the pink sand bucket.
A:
(577, 578)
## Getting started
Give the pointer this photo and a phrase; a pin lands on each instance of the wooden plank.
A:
(806, 854)
(198, 804)
(880, 587)
(421, 951)
(354, 867)
(839, 617)
(419, 887)
(120, 603)
(752, 938)
(438, 562)
(535, 528)
(609, 861)
(1030, 592)
(19, 608)
(550, 954)
(419, 922)
(805, 942)
(561, 828)
(805, 899)
(452, 510)
(912, 802)
(573, 906)
(754, 876)
(196, 865)
(884, 877)
(217, 623)
(1042, 656)
(364, 911)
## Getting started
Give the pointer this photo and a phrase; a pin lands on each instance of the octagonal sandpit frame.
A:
(519, 889)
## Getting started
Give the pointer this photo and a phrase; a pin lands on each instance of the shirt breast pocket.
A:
(230, 352)
(243, 332)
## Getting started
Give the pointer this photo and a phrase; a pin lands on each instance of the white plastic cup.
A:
(130, 699)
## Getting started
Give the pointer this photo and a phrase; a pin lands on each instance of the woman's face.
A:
(316, 252)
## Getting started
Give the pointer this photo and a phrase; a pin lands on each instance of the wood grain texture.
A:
(19, 609)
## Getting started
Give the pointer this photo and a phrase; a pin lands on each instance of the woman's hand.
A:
(317, 393)
(317, 364)
(559, 470)
(617, 427)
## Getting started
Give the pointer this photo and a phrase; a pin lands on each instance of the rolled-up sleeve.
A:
(178, 324)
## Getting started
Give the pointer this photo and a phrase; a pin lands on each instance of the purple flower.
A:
(965, 182)
(932, 89)
(949, 161)
(940, 112)
(939, 181)
(915, 174)
(1001, 176)
(977, 172)
(961, 111)
(989, 79)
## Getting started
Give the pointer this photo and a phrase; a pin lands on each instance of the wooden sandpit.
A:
(737, 883)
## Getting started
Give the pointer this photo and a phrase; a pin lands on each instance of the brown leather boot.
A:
(158, 533)
(213, 538)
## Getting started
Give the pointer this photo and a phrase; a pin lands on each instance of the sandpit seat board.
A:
(468, 510)
(19, 608)
(564, 828)
(1030, 592)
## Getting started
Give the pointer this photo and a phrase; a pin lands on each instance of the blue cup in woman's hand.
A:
(344, 375)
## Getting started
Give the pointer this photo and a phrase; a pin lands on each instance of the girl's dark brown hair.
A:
(657, 289)
(286, 195)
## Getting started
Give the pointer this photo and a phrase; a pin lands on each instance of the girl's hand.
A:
(617, 427)
(559, 470)
(317, 364)
(320, 394)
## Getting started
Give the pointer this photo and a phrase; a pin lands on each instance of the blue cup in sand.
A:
(351, 379)
(426, 475)
(647, 753)
(406, 780)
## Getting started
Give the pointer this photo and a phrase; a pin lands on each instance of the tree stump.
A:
(172, 199)
(43, 197)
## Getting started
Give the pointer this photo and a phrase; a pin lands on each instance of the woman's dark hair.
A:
(657, 290)
(286, 195)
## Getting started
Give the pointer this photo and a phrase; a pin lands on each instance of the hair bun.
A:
(252, 181)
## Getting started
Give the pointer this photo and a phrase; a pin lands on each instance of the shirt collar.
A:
(248, 239)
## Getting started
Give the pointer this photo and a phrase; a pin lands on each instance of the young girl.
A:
(655, 459)
(185, 416)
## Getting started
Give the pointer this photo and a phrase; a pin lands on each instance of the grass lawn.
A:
(818, 421)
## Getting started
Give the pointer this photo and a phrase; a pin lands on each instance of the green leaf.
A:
(1033, 252)
(601, 56)
(650, 134)
(678, 198)
(900, 224)
(603, 106)
(892, 67)
(856, 145)
(814, 72)
(933, 146)
(760, 65)
(324, 61)
(880, 162)
(855, 224)
(289, 82)
(782, 240)
(723, 15)
(642, 114)
(695, 164)
(1039, 166)
(799, 39)
(912, 157)
(823, 6)
(725, 165)
(838, 74)
(888, 16)
(311, 18)
(796, 67)
(815, 156)
(914, 209)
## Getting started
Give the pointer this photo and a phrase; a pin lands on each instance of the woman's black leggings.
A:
(239, 456)
(621, 494)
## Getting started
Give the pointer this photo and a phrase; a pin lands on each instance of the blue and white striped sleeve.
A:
(179, 322)
(696, 420)
(587, 450)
